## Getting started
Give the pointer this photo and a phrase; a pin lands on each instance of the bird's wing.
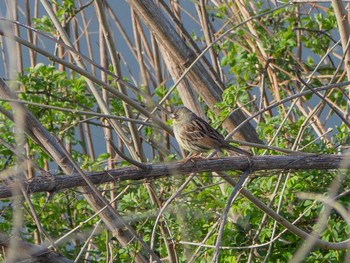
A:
(203, 134)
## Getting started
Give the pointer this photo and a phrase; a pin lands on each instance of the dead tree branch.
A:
(153, 171)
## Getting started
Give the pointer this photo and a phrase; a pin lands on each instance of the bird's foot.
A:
(192, 158)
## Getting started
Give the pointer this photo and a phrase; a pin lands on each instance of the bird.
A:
(195, 135)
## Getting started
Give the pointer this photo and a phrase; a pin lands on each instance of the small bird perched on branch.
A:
(196, 135)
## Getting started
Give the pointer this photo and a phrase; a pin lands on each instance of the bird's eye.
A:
(174, 116)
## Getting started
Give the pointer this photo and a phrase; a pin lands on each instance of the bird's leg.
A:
(192, 158)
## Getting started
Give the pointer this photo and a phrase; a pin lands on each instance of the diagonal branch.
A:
(182, 56)
(32, 253)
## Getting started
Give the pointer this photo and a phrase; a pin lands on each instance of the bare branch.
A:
(153, 171)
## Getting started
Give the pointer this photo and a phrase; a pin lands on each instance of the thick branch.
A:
(294, 162)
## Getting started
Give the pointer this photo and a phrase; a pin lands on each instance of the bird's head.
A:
(182, 114)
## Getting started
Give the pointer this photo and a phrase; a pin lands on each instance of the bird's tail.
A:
(238, 150)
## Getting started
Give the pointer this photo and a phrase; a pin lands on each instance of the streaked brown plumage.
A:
(196, 135)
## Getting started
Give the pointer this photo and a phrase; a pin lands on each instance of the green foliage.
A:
(48, 86)
(65, 11)
(242, 62)
(45, 85)
(6, 155)
(317, 36)
(44, 24)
